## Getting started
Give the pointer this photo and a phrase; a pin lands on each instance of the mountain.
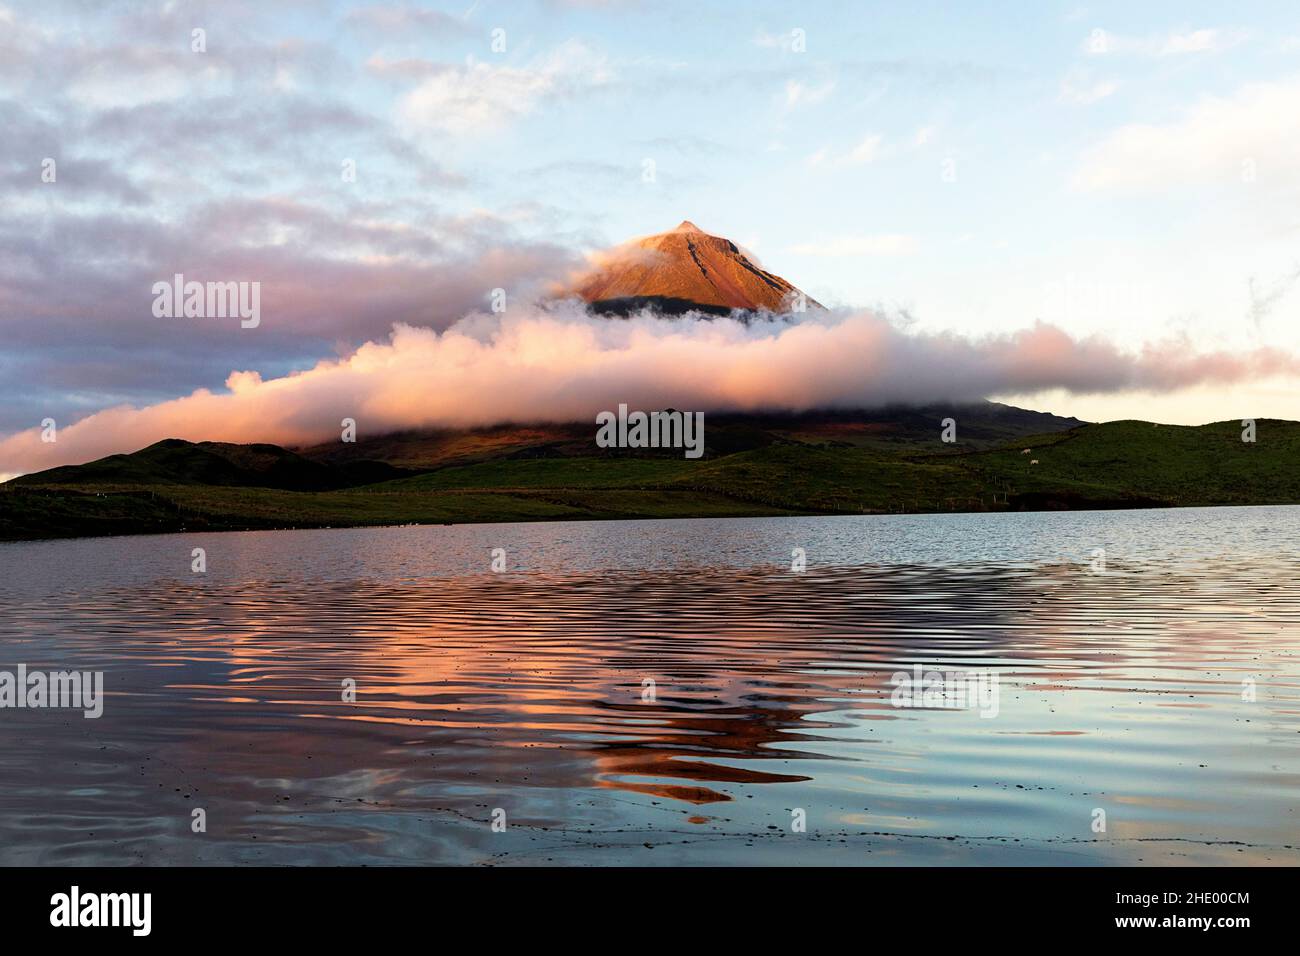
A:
(841, 461)
(174, 461)
(684, 270)
(982, 425)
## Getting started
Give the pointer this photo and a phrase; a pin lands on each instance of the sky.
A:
(1126, 174)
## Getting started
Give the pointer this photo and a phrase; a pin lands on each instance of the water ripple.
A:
(530, 692)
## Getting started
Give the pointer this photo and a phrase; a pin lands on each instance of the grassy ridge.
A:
(1175, 465)
(1118, 464)
(534, 473)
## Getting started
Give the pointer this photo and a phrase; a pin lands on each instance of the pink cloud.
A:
(555, 364)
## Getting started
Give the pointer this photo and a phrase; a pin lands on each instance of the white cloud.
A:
(139, 77)
(1198, 41)
(1101, 42)
(1079, 88)
(481, 96)
(402, 20)
(1229, 139)
(867, 150)
(885, 244)
(775, 41)
(798, 93)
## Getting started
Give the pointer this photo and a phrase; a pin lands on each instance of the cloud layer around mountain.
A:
(557, 363)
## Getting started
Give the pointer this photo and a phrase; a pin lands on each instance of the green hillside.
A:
(794, 469)
(1176, 465)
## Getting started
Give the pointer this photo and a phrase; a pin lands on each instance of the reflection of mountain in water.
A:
(523, 691)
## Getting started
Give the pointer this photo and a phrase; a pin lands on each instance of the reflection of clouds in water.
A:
(525, 691)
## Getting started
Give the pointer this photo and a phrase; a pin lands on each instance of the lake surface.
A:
(665, 693)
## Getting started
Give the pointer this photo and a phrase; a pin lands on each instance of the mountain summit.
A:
(684, 270)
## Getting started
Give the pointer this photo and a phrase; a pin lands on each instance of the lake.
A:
(666, 693)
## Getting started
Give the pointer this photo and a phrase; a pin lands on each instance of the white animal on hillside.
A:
(1033, 461)
(1025, 451)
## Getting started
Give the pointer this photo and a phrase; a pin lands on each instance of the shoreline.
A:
(741, 509)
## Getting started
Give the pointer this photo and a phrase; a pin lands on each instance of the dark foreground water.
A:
(665, 692)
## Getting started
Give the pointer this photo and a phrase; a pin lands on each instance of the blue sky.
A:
(1130, 171)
